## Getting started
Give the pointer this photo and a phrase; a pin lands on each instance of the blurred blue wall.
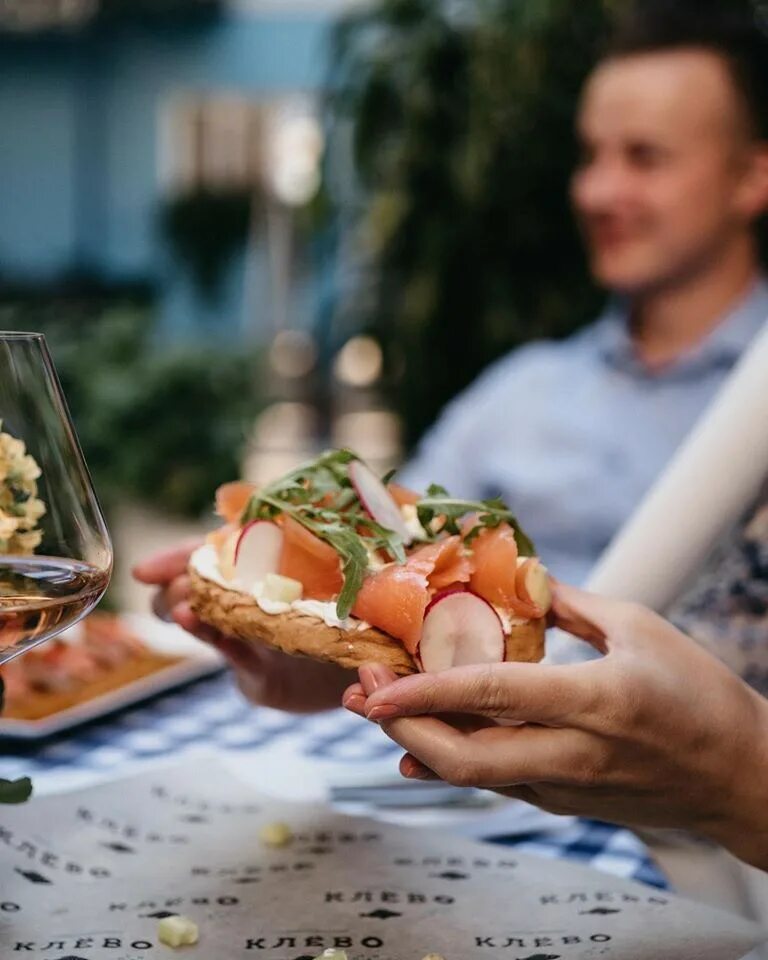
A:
(79, 177)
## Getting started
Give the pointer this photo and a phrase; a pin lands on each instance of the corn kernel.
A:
(276, 834)
(177, 932)
(282, 589)
(332, 955)
(433, 956)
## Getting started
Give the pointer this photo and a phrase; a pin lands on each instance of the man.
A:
(674, 176)
(673, 180)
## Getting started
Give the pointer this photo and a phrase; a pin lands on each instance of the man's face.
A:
(659, 192)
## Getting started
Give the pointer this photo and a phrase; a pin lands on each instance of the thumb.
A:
(593, 618)
(162, 567)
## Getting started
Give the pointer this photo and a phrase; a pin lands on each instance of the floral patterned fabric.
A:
(726, 610)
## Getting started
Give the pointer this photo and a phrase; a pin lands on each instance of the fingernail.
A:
(387, 711)
(369, 680)
(354, 702)
(373, 677)
(415, 771)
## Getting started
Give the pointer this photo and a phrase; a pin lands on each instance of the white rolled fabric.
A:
(713, 478)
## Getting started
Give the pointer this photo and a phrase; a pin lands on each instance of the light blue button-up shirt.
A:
(572, 434)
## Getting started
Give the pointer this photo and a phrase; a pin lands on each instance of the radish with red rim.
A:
(377, 500)
(258, 551)
(460, 628)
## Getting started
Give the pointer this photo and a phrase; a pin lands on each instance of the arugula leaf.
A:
(489, 514)
(355, 562)
(15, 791)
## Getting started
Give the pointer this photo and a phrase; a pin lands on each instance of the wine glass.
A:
(55, 551)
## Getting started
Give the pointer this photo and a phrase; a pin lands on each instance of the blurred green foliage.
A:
(462, 115)
(161, 424)
(205, 229)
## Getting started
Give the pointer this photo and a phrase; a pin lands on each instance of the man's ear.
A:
(752, 197)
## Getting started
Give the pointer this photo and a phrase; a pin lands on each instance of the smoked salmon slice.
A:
(311, 561)
(232, 499)
(395, 598)
(450, 564)
(494, 559)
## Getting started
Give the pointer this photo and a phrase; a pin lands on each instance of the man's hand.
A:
(266, 677)
(656, 732)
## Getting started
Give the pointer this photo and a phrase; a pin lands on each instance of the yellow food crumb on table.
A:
(276, 834)
(177, 932)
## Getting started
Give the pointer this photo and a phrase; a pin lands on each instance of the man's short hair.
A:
(736, 30)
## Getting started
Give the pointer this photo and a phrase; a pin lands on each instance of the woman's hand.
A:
(266, 676)
(656, 732)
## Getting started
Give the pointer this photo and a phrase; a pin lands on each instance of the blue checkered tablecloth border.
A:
(211, 713)
(601, 846)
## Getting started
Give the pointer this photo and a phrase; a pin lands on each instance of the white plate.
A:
(200, 660)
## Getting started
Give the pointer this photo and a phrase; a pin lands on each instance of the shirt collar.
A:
(720, 349)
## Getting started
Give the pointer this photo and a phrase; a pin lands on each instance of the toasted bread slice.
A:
(298, 634)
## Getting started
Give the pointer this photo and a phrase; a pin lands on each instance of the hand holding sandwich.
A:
(266, 676)
(656, 732)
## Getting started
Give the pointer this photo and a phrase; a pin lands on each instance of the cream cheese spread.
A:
(205, 562)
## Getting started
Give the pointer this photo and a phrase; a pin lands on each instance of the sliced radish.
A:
(460, 628)
(532, 585)
(258, 551)
(442, 594)
(377, 500)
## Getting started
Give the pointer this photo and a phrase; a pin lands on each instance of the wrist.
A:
(742, 824)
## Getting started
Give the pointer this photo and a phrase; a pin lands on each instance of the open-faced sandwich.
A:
(333, 563)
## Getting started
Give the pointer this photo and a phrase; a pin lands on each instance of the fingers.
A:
(354, 699)
(373, 676)
(184, 616)
(580, 614)
(164, 601)
(163, 567)
(490, 757)
(412, 769)
(525, 692)
(605, 623)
